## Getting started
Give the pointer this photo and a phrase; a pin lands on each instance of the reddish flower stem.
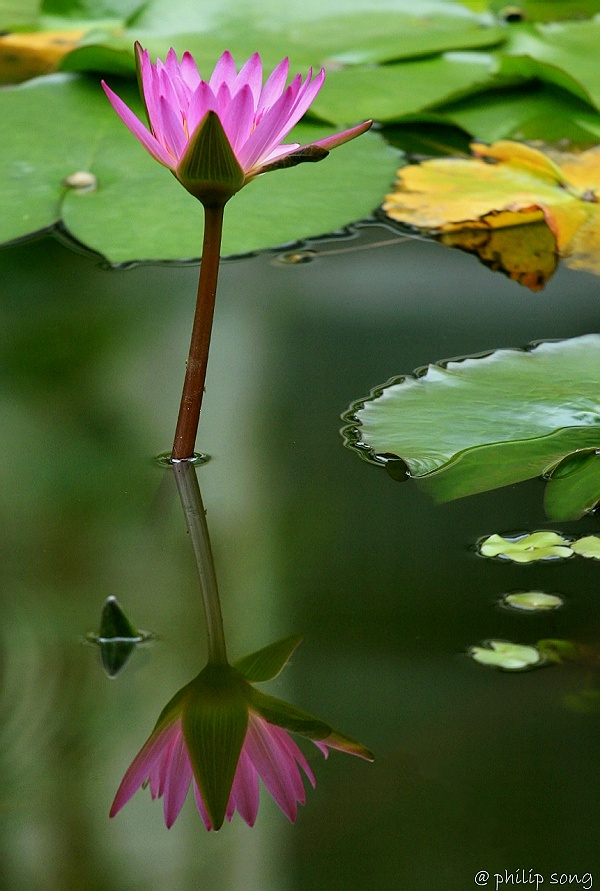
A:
(195, 374)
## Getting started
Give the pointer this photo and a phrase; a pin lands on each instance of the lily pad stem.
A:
(195, 374)
(195, 518)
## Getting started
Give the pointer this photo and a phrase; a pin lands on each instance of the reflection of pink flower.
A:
(255, 118)
(220, 734)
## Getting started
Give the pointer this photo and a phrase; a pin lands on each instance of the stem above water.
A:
(195, 374)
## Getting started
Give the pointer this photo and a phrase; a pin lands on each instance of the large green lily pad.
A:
(470, 425)
(138, 210)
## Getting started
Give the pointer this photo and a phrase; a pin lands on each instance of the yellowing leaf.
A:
(509, 186)
(31, 54)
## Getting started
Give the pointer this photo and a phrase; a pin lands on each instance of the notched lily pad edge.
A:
(351, 432)
(63, 236)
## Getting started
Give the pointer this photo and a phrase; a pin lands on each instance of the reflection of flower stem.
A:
(193, 387)
(195, 517)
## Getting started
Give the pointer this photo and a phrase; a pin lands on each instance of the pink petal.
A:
(266, 135)
(133, 123)
(189, 71)
(244, 792)
(173, 135)
(203, 100)
(294, 750)
(274, 87)
(223, 72)
(250, 75)
(330, 142)
(237, 120)
(272, 764)
(181, 88)
(143, 763)
(179, 776)
(304, 99)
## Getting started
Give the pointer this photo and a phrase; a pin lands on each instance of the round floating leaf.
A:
(391, 92)
(532, 601)
(62, 124)
(475, 424)
(506, 655)
(526, 548)
(588, 546)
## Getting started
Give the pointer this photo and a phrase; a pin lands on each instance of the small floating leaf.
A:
(588, 546)
(506, 655)
(474, 424)
(532, 601)
(117, 638)
(527, 548)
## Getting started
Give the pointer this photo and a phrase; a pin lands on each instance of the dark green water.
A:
(475, 769)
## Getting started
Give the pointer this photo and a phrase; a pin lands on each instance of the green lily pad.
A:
(532, 601)
(474, 424)
(588, 546)
(534, 111)
(574, 487)
(526, 548)
(506, 655)
(138, 210)
(391, 92)
(564, 54)
(549, 10)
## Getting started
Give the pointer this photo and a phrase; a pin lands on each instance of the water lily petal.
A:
(133, 123)
(178, 779)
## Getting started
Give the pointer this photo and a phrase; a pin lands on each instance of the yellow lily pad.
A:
(508, 185)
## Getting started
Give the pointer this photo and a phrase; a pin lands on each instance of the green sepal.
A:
(282, 714)
(214, 723)
(337, 740)
(311, 153)
(266, 664)
(209, 169)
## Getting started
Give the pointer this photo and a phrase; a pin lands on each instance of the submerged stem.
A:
(195, 374)
(195, 517)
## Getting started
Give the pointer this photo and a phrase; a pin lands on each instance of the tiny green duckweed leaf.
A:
(526, 548)
(588, 546)
(506, 655)
(532, 601)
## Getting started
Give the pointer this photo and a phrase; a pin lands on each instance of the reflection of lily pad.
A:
(532, 601)
(506, 655)
(526, 548)
(474, 424)
(588, 546)
(527, 254)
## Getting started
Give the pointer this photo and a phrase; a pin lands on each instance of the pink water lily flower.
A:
(185, 113)
(268, 752)
(220, 735)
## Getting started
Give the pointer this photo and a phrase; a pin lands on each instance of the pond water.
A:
(475, 769)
